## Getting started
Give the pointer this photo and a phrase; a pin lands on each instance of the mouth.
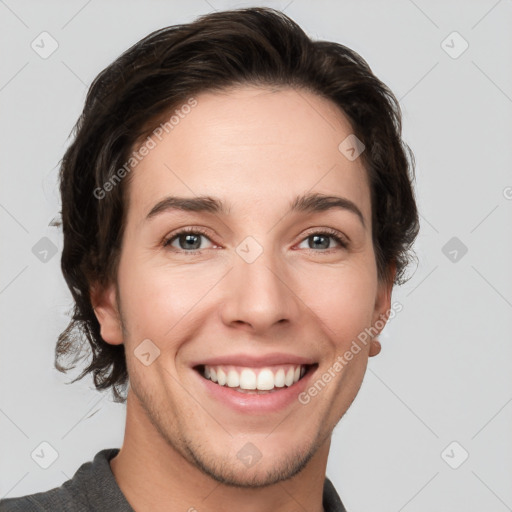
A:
(256, 380)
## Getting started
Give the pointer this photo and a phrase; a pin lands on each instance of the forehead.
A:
(251, 146)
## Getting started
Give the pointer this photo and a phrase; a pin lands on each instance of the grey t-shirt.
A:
(94, 488)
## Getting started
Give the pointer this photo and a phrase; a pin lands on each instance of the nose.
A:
(260, 295)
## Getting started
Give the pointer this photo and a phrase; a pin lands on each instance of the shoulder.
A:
(23, 504)
(331, 499)
(77, 494)
(54, 499)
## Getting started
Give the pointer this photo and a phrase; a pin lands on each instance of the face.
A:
(257, 293)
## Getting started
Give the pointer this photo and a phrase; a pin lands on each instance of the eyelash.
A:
(198, 231)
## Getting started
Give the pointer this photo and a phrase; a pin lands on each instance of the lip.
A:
(254, 361)
(253, 403)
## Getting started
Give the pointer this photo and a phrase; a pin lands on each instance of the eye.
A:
(188, 239)
(320, 239)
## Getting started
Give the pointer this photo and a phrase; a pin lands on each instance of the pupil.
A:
(190, 238)
(325, 245)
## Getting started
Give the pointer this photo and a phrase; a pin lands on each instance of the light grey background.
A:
(444, 373)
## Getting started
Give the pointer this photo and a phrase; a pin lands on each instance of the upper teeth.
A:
(255, 378)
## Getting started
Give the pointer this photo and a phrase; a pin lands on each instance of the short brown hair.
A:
(255, 46)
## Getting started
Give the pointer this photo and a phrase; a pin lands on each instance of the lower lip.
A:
(254, 403)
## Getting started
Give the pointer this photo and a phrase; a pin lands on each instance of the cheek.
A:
(344, 299)
(156, 299)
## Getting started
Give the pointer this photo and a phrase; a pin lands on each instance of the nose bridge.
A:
(261, 292)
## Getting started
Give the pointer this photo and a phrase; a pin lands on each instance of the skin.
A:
(257, 149)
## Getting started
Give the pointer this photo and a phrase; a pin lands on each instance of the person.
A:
(237, 205)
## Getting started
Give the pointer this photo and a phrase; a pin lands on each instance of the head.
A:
(239, 128)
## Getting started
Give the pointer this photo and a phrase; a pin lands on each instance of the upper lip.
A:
(255, 361)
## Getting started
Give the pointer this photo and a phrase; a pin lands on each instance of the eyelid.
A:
(342, 239)
(181, 231)
(327, 231)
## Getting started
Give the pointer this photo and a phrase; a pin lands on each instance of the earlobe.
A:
(375, 348)
(104, 303)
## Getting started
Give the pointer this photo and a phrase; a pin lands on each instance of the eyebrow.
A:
(306, 203)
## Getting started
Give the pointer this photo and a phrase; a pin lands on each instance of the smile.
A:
(255, 390)
(254, 380)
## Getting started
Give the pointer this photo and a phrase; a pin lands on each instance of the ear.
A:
(382, 307)
(383, 298)
(104, 302)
